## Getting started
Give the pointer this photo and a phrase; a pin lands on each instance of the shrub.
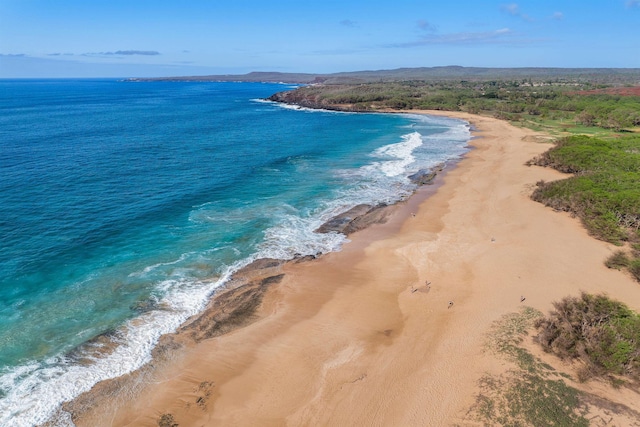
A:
(618, 260)
(634, 268)
(604, 334)
(604, 193)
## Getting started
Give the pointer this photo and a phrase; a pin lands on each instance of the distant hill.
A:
(603, 75)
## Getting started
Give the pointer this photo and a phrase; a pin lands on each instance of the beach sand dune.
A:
(358, 338)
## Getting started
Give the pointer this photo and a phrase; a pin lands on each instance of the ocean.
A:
(124, 205)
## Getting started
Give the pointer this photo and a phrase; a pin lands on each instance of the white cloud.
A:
(501, 35)
(124, 53)
(514, 10)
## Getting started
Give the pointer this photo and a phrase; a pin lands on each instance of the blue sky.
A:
(122, 38)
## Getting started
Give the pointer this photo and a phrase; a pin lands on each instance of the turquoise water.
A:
(124, 205)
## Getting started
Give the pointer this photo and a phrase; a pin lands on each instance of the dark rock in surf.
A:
(426, 176)
(339, 222)
(355, 219)
(422, 177)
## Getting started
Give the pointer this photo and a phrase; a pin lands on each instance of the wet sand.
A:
(357, 337)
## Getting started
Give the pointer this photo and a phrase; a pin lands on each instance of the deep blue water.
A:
(124, 205)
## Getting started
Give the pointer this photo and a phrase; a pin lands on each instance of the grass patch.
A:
(532, 394)
(506, 336)
(529, 399)
(562, 128)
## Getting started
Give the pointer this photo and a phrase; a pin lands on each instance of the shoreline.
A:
(234, 305)
(355, 337)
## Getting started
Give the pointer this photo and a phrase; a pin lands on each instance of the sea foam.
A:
(35, 391)
(402, 153)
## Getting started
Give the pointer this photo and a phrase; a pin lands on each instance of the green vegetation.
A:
(559, 105)
(618, 260)
(634, 268)
(604, 191)
(602, 333)
(533, 393)
(507, 334)
(525, 399)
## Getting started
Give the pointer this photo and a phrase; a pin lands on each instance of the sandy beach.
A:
(358, 338)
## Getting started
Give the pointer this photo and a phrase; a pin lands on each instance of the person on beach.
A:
(450, 304)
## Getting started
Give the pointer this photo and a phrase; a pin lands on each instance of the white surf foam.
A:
(34, 392)
(382, 181)
(401, 155)
(301, 108)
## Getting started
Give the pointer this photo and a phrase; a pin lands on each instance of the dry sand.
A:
(356, 338)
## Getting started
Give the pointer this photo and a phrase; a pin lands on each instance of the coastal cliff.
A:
(307, 99)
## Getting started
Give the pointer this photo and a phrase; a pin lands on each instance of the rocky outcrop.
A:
(426, 176)
(362, 216)
(355, 219)
(309, 100)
